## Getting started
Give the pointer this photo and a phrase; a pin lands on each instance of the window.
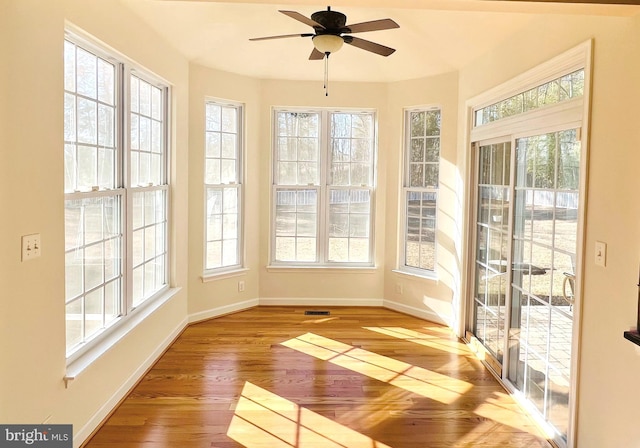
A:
(323, 170)
(561, 89)
(116, 219)
(421, 173)
(223, 187)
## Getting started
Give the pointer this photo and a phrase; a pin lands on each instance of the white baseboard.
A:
(297, 301)
(418, 312)
(222, 310)
(80, 437)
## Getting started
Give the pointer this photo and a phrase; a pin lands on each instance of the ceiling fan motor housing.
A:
(333, 22)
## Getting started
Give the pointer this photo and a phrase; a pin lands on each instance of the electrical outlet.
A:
(398, 288)
(241, 286)
(30, 246)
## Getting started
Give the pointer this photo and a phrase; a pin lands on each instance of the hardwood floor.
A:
(273, 377)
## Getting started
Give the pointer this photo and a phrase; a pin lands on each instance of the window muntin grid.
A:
(421, 180)
(103, 235)
(223, 187)
(147, 155)
(324, 185)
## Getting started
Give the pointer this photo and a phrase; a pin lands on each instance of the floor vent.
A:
(316, 313)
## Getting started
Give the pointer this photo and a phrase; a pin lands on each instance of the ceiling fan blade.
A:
(283, 36)
(316, 55)
(300, 18)
(374, 25)
(368, 45)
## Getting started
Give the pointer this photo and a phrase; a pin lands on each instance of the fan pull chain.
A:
(326, 74)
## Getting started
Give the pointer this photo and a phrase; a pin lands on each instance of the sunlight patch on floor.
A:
(411, 378)
(266, 420)
(436, 342)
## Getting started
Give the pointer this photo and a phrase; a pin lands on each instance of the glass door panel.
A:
(492, 241)
(543, 253)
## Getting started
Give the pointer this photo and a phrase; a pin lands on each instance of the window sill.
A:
(324, 269)
(222, 275)
(113, 335)
(432, 276)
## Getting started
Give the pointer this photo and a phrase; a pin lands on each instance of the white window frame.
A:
(237, 185)
(129, 314)
(408, 189)
(323, 190)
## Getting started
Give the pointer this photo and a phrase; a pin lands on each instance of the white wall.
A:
(220, 295)
(32, 334)
(431, 299)
(323, 286)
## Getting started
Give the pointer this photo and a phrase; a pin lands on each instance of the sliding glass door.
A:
(526, 228)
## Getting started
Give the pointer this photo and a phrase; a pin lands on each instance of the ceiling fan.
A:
(331, 31)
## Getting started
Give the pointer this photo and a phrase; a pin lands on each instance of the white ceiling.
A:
(435, 36)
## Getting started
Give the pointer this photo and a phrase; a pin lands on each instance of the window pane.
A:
(295, 222)
(422, 152)
(349, 220)
(111, 301)
(93, 244)
(552, 92)
(230, 120)
(418, 124)
(212, 171)
(229, 146)
(297, 149)
(156, 103)
(69, 117)
(214, 255)
(74, 273)
(147, 154)
(420, 243)
(222, 231)
(74, 323)
(69, 66)
(86, 77)
(212, 145)
(87, 121)
(212, 117)
(156, 136)
(149, 246)
(106, 82)
(351, 149)
(93, 312)
(418, 149)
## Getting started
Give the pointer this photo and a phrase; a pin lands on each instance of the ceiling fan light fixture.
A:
(327, 43)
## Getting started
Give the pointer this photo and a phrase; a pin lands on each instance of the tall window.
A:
(421, 174)
(223, 186)
(323, 187)
(115, 219)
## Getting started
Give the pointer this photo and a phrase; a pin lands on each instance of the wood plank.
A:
(273, 376)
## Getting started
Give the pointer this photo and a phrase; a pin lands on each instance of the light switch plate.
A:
(601, 254)
(30, 246)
